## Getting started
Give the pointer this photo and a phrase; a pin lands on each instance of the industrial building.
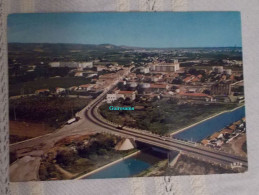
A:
(221, 88)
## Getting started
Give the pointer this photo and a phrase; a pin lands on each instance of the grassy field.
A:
(49, 83)
(163, 116)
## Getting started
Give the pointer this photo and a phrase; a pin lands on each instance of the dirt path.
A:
(237, 144)
(21, 130)
(66, 173)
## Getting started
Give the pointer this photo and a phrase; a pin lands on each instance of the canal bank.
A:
(200, 130)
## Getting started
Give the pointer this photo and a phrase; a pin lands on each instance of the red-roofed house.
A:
(199, 76)
(158, 87)
(196, 96)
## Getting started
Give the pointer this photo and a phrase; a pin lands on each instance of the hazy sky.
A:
(156, 29)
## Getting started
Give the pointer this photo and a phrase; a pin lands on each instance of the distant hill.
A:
(60, 46)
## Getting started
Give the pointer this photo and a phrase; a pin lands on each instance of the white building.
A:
(113, 97)
(60, 90)
(218, 69)
(133, 84)
(101, 68)
(85, 65)
(166, 67)
(120, 94)
(228, 71)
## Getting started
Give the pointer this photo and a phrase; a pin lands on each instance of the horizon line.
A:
(128, 46)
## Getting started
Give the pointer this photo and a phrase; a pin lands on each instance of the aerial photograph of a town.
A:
(119, 95)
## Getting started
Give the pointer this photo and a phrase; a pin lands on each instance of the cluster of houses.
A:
(87, 69)
(154, 79)
(97, 70)
(61, 91)
(226, 135)
(97, 85)
(76, 65)
(233, 62)
(158, 85)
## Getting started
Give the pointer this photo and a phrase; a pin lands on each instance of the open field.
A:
(163, 116)
(21, 130)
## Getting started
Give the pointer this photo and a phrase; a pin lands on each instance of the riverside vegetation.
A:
(75, 156)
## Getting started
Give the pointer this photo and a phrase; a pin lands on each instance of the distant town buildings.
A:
(233, 62)
(145, 70)
(227, 71)
(78, 65)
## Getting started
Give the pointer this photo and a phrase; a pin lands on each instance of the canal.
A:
(131, 166)
(210, 126)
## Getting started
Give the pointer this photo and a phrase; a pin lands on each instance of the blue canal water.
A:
(131, 166)
(125, 168)
(207, 128)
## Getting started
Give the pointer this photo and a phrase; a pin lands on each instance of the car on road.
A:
(72, 120)
(119, 127)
